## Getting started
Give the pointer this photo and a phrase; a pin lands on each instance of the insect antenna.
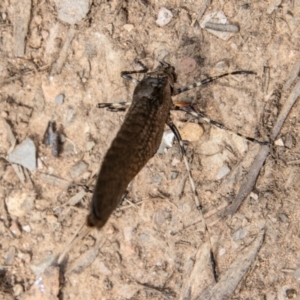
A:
(190, 109)
(208, 80)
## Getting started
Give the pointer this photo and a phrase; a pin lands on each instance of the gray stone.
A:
(24, 154)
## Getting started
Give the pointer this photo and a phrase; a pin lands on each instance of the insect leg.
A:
(199, 207)
(180, 141)
(121, 106)
(188, 108)
(208, 80)
(125, 74)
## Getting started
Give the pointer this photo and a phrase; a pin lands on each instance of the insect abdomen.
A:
(136, 142)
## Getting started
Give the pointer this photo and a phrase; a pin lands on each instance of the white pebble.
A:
(164, 17)
(224, 170)
(279, 142)
(26, 228)
(254, 196)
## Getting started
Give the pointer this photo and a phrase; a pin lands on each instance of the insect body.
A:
(136, 142)
(140, 135)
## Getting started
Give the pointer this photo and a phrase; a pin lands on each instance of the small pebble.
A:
(240, 234)
(59, 99)
(289, 141)
(254, 196)
(86, 175)
(191, 132)
(173, 175)
(283, 218)
(51, 219)
(90, 145)
(222, 65)
(26, 228)
(128, 27)
(297, 274)
(160, 217)
(78, 169)
(164, 17)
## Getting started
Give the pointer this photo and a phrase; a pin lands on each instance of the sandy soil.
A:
(157, 248)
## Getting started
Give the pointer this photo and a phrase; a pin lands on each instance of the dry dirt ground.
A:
(156, 247)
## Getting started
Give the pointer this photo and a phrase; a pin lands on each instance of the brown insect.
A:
(139, 138)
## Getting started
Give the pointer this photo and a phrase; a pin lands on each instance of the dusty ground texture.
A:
(158, 248)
